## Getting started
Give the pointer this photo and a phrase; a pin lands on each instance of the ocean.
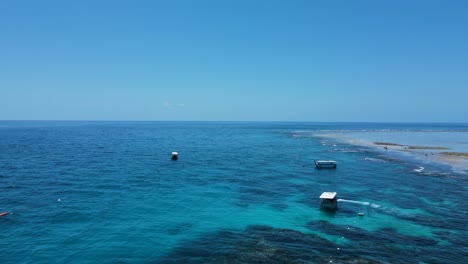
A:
(241, 192)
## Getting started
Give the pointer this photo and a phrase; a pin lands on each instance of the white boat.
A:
(325, 164)
(328, 200)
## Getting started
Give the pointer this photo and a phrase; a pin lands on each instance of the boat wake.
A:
(359, 202)
(419, 170)
(383, 209)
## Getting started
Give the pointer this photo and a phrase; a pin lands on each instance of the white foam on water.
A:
(419, 170)
(374, 159)
(352, 201)
(373, 205)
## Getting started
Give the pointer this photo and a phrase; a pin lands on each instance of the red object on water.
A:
(3, 214)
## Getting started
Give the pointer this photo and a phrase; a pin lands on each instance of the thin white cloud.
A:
(169, 105)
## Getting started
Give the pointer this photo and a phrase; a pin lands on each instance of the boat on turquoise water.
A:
(325, 164)
(328, 200)
(3, 214)
(174, 156)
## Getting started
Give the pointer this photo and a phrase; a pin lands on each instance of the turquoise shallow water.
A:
(107, 192)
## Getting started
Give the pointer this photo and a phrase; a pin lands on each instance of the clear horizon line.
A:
(228, 121)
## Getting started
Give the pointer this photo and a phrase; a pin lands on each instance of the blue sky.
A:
(241, 60)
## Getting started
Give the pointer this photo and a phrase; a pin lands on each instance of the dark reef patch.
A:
(262, 244)
(387, 244)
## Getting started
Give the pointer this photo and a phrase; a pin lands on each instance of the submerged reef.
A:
(410, 147)
(387, 144)
(457, 154)
(262, 244)
(265, 244)
(390, 246)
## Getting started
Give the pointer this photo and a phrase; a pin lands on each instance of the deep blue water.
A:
(107, 192)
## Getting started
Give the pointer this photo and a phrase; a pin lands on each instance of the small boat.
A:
(174, 156)
(3, 214)
(325, 164)
(328, 200)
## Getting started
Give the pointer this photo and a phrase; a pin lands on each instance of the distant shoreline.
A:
(438, 154)
(453, 158)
